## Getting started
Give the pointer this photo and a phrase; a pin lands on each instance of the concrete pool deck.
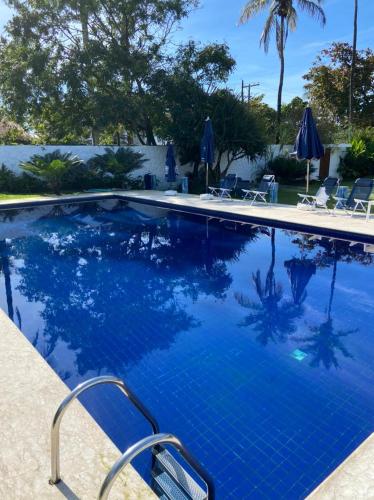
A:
(31, 391)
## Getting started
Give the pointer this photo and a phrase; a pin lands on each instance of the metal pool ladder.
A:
(170, 481)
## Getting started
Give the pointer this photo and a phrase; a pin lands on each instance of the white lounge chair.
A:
(262, 192)
(320, 199)
(228, 184)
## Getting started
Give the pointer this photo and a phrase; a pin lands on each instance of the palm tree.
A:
(353, 64)
(282, 18)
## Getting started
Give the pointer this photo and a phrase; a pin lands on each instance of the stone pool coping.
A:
(354, 478)
(283, 216)
(30, 392)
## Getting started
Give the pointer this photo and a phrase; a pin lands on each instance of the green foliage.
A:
(328, 83)
(56, 168)
(190, 92)
(265, 116)
(237, 132)
(359, 160)
(292, 114)
(183, 89)
(113, 168)
(24, 183)
(85, 65)
(12, 133)
(288, 169)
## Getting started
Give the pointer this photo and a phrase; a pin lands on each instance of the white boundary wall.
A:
(11, 156)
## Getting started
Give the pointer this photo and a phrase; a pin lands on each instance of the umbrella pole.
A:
(307, 176)
(207, 177)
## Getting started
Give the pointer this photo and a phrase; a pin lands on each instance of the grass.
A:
(5, 196)
(288, 194)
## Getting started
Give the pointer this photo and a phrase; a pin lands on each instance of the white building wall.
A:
(11, 156)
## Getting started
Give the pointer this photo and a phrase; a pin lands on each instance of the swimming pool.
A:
(252, 344)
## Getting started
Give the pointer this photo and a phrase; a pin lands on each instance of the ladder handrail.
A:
(150, 442)
(55, 430)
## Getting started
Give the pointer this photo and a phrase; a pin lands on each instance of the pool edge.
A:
(281, 216)
(353, 478)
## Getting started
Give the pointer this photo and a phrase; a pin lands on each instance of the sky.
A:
(217, 21)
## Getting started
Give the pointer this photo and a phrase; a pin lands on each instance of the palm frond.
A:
(292, 19)
(252, 8)
(268, 29)
(313, 8)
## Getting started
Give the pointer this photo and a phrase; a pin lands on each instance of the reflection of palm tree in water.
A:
(5, 268)
(325, 342)
(273, 318)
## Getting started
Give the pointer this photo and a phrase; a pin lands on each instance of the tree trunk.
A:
(83, 16)
(333, 281)
(217, 168)
(8, 286)
(353, 65)
(270, 281)
(195, 171)
(151, 140)
(281, 78)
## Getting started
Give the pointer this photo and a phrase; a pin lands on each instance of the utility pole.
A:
(248, 87)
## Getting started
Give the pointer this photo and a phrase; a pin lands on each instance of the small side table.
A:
(368, 211)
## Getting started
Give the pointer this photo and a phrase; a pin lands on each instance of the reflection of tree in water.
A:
(136, 295)
(273, 317)
(5, 269)
(325, 342)
(299, 271)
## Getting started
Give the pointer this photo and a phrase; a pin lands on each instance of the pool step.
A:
(172, 480)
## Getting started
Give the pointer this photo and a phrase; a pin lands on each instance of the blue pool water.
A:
(253, 345)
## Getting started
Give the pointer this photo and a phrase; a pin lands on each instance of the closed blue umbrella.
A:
(308, 145)
(207, 147)
(170, 165)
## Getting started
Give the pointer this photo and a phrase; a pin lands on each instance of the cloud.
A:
(313, 46)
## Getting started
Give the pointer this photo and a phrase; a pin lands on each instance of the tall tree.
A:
(353, 64)
(85, 64)
(282, 18)
(190, 91)
(328, 81)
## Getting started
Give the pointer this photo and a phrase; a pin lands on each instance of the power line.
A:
(248, 88)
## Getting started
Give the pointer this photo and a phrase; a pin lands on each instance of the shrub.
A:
(113, 168)
(56, 169)
(24, 183)
(7, 179)
(359, 160)
(288, 169)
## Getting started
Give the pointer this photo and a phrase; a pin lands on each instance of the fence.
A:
(11, 156)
